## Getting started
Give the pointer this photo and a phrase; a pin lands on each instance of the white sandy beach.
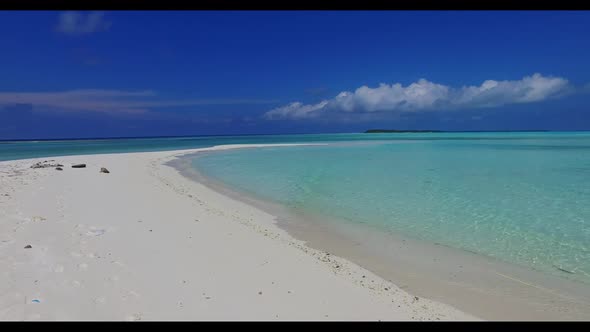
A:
(145, 243)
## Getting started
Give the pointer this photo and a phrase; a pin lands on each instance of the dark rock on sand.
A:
(104, 170)
(28, 246)
(59, 169)
(79, 166)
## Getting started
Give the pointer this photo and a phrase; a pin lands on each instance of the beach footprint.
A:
(113, 278)
(38, 219)
(134, 317)
(95, 231)
(130, 295)
(76, 254)
(6, 242)
(33, 317)
(100, 300)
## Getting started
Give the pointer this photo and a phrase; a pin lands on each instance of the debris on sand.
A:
(96, 232)
(564, 270)
(28, 246)
(45, 164)
(104, 170)
(59, 169)
(79, 166)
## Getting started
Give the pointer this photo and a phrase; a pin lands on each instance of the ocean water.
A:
(522, 198)
(519, 197)
(11, 150)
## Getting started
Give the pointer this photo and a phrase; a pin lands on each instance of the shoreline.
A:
(145, 243)
(449, 275)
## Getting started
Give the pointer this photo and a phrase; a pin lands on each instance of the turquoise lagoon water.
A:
(522, 198)
(519, 197)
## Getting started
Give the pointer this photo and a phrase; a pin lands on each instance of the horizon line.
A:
(404, 131)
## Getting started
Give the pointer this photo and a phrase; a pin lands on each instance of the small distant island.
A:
(372, 131)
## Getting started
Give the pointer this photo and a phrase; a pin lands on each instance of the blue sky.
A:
(122, 73)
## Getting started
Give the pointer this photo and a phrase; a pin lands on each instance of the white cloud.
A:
(76, 23)
(425, 95)
(297, 110)
(109, 100)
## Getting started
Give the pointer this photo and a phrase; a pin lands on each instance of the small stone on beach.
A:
(28, 246)
(59, 169)
(104, 170)
(79, 166)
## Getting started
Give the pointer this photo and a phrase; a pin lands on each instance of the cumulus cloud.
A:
(76, 23)
(109, 100)
(424, 95)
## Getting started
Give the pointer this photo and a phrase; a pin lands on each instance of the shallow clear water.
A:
(522, 198)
